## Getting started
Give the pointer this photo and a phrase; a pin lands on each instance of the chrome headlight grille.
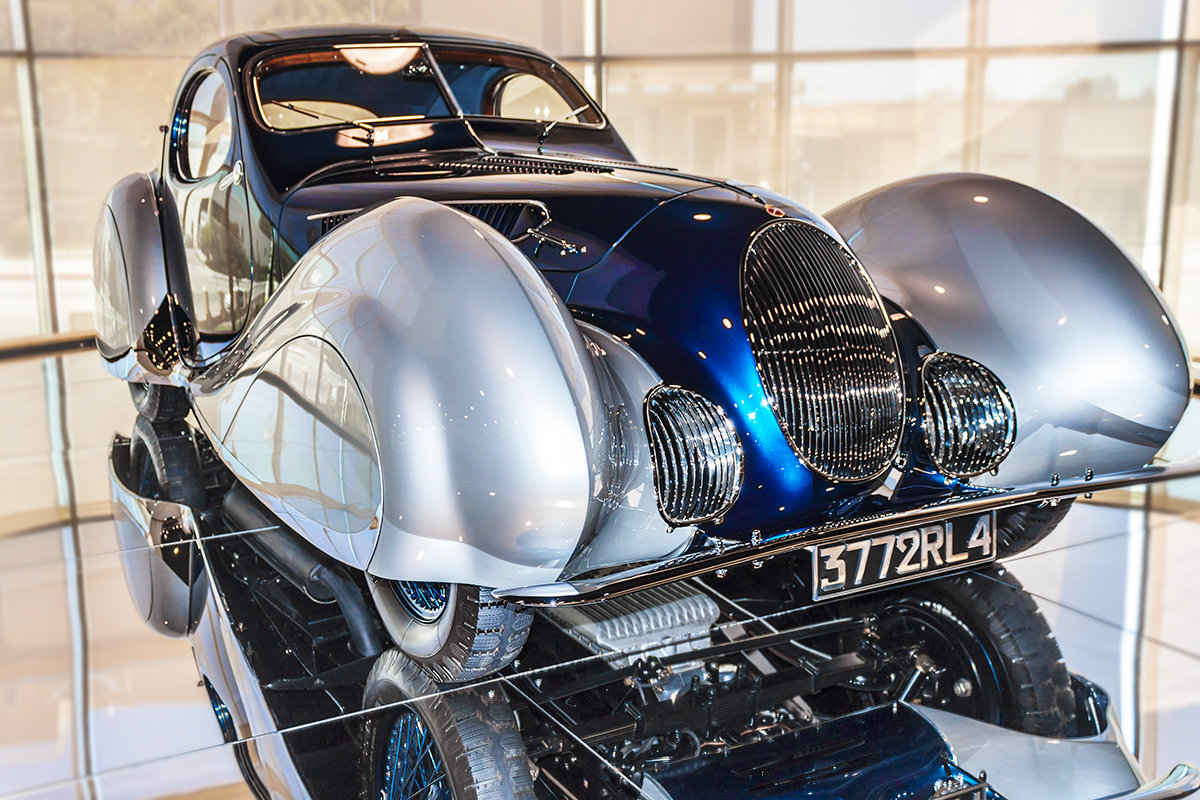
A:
(697, 455)
(824, 350)
(970, 420)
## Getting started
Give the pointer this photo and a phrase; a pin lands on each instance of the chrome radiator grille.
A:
(697, 455)
(824, 350)
(970, 419)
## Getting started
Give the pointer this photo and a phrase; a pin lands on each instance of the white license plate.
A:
(870, 561)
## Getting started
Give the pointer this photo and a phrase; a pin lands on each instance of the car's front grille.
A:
(824, 350)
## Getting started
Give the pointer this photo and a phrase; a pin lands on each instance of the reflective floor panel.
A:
(94, 703)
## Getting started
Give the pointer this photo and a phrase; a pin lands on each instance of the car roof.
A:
(238, 47)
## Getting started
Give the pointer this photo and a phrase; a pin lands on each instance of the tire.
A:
(455, 632)
(241, 753)
(996, 658)
(159, 403)
(467, 744)
(165, 463)
(1021, 527)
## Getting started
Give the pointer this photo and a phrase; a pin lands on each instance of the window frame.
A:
(254, 106)
(180, 158)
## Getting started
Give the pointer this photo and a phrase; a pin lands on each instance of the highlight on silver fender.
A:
(698, 459)
(970, 420)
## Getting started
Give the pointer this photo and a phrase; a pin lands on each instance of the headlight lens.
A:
(970, 420)
(697, 455)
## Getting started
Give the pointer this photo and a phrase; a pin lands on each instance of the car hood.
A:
(591, 204)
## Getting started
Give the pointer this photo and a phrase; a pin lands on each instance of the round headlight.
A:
(697, 455)
(970, 420)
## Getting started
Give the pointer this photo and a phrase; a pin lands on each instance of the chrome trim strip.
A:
(586, 590)
(1182, 781)
(325, 214)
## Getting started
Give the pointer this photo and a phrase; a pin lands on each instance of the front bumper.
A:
(587, 589)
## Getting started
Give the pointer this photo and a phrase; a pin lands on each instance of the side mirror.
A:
(143, 310)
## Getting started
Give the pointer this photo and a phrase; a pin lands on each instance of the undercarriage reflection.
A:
(717, 688)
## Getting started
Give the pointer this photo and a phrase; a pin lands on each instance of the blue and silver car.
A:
(464, 357)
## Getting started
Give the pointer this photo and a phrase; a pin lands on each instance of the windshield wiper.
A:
(550, 125)
(316, 114)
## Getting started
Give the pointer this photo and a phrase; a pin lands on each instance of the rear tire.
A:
(159, 403)
(462, 743)
(1021, 527)
(1001, 662)
(165, 463)
(455, 632)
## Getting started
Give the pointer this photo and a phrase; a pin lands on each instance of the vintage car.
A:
(458, 349)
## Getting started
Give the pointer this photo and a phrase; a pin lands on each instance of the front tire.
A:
(996, 658)
(460, 743)
(455, 632)
(1021, 527)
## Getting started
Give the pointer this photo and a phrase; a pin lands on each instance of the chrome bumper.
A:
(691, 564)
(1182, 781)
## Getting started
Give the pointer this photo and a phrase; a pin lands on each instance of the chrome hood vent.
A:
(824, 350)
(513, 218)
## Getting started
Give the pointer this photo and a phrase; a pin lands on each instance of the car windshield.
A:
(344, 85)
(363, 85)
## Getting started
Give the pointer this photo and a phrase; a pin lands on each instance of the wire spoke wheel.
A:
(412, 769)
(425, 600)
(456, 632)
(422, 741)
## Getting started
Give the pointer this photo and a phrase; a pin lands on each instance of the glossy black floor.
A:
(93, 703)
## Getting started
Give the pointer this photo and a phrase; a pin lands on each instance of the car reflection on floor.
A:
(96, 703)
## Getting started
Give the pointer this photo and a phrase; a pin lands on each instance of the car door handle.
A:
(234, 176)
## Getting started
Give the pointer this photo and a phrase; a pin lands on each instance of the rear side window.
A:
(208, 129)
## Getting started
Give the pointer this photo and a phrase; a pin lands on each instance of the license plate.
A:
(870, 561)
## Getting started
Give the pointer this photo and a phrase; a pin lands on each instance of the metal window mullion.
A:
(598, 55)
(976, 62)
(34, 154)
(783, 102)
(1175, 170)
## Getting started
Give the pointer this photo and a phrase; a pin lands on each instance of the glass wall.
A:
(1094, 101)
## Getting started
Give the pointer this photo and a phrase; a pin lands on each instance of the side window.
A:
(525, 96)
(208, 132)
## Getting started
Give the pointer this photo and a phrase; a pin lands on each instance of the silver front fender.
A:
(1027, 286)
(486, 412)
